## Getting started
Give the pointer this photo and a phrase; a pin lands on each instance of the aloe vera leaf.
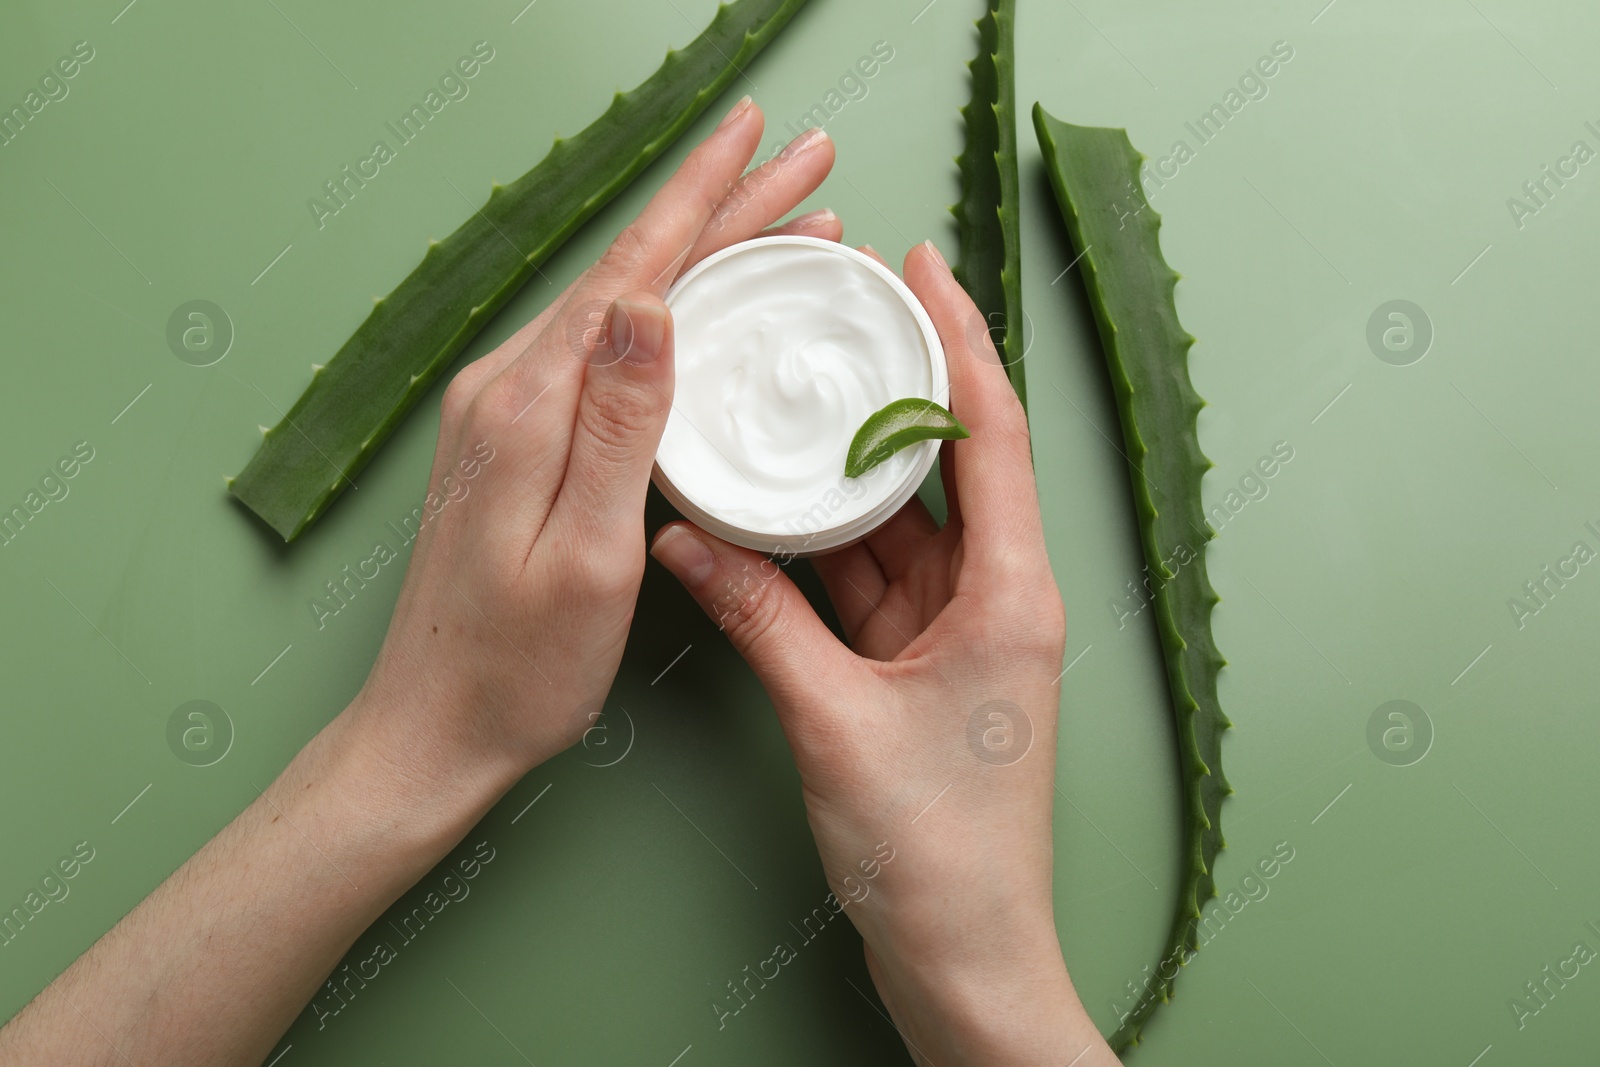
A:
(1095, 173)
(989, 266)
(355, 402)
(899, 424)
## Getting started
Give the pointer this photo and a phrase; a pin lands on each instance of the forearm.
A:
(215, 964)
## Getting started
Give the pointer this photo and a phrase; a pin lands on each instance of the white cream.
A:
(783, 347)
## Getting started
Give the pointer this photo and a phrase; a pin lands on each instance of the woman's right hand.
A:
(518, 597)
(927, 753)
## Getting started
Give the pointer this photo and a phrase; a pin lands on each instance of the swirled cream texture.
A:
(783, 350)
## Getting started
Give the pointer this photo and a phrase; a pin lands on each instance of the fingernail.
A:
(686, 556)
(813, 219)
(808, 140)
(638, 331)
(738, 109)
(933, 250)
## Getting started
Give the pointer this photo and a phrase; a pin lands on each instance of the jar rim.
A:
(841, 535)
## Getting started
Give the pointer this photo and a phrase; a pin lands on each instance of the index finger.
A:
(762, 195)
(650, 251)
(646, 255)
(994, 467)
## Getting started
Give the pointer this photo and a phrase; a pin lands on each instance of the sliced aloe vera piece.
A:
(990, 262)
(898, 425)
(1095, 173)
(355, 402)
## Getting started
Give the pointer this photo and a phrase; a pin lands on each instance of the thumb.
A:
(764, 614)
(622, 411)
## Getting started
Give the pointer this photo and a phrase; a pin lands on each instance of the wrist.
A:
(415, 789)
(1020, 1012)
(1000, 998)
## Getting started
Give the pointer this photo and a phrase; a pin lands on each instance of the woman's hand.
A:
(514, 612)
(507, 634)
(927, 754)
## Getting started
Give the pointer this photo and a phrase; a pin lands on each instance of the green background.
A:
(1377, 568)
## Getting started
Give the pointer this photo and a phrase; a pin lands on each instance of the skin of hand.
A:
(513, 617)
(505, 640)
(926, 749)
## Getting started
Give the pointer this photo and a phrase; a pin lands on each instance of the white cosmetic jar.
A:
(783, 346)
